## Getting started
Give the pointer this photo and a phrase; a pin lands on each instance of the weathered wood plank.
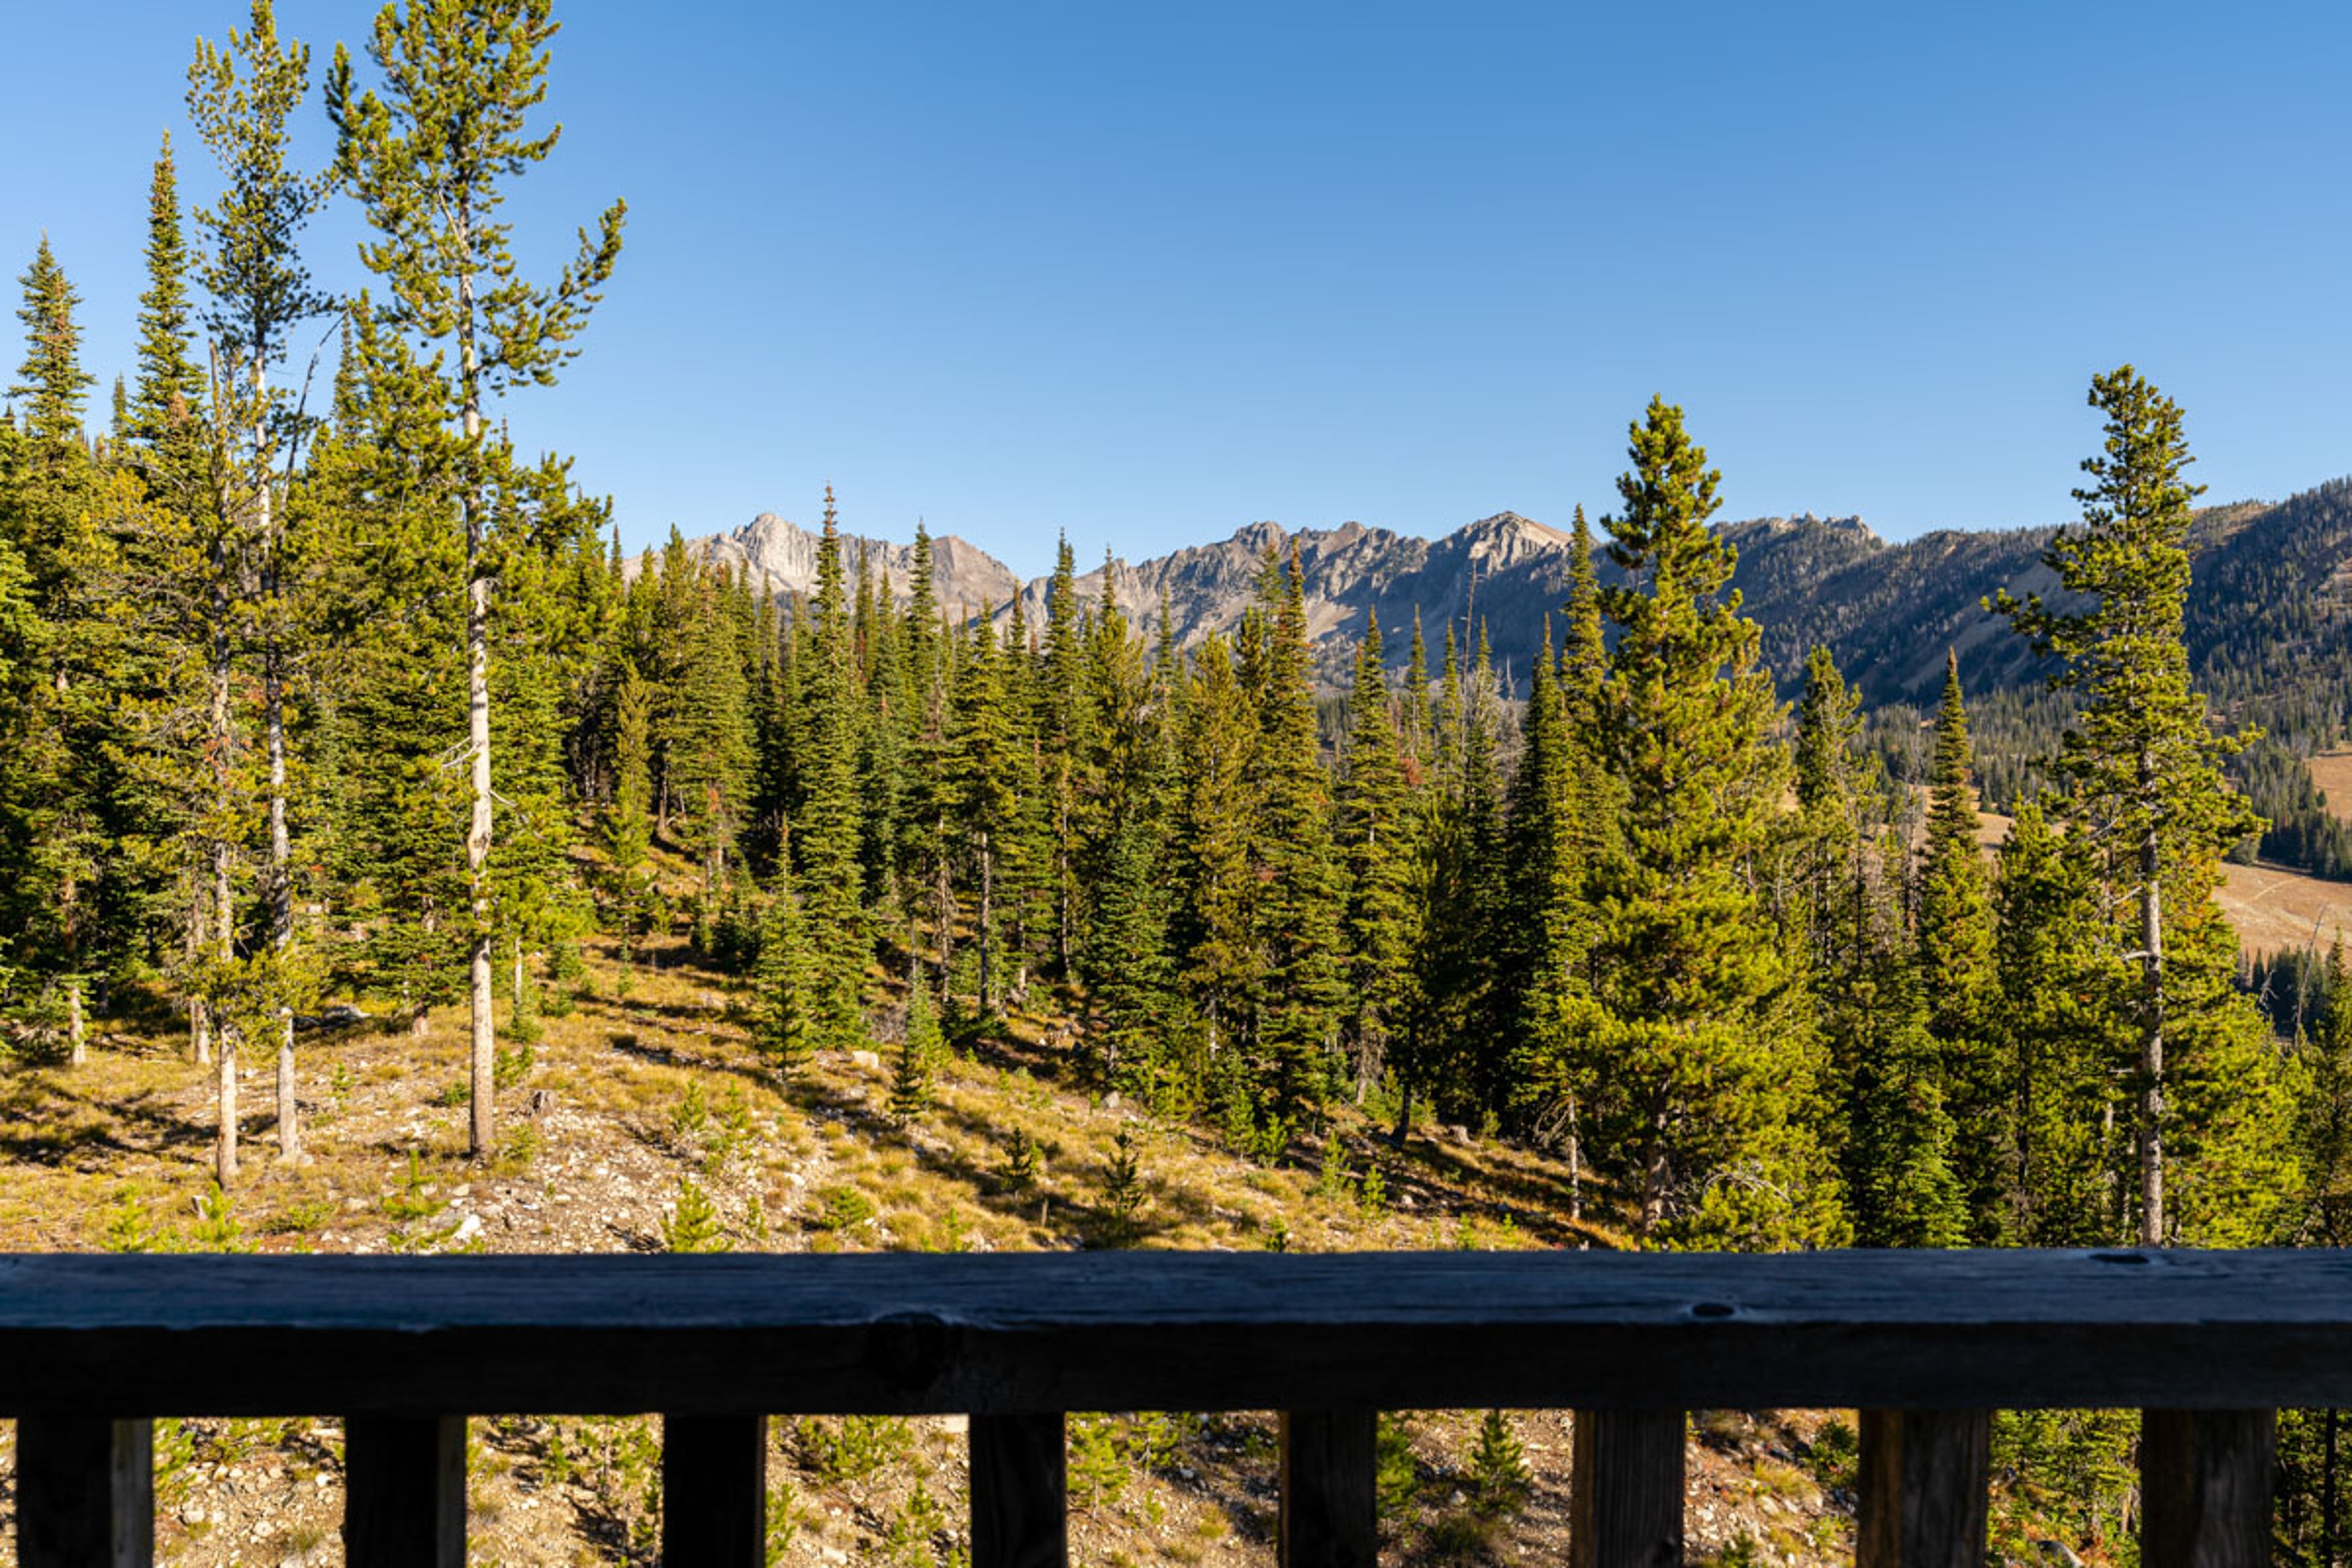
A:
(2205, 1488)
(1626, 1505)
(403, 1491)
(85, 1492)
(1924, 1480)
(1020, 1491)
(1329, 1516)
(714, 1491)
(914, 1334)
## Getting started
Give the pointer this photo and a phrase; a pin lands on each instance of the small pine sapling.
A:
(694, 1225)
(1396, 1474)
(216, 1227)
(1019, 1172)
(921, 1046)
(1123, 1191)
(1499, 1481)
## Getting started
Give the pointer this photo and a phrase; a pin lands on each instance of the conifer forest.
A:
(347, 758)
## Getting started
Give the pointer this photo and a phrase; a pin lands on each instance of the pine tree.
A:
(785, 1021)
(830, 829)
(1300, 993)
(430, 160)
(1062, 730)
(2148, 800)
(1372, 838)
(1216, 804)
(241, 99)
(54, 382)
(56, 504)
(1703, 1061)
(711, 756)
(1891, 1124)
(1955, 960)
(171, 386)
(628, 830)
(2063, 1051)
(920, 1046)
(1499, 1480)
(1121, 777)
(393, 574)
(1546, 934)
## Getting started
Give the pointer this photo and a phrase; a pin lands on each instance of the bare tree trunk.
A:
(943, 910)
(223, 910)
(2151, 1045)
(200, 1026)
(78, 1055)
(281, 849)
(987, 927)
(1653, 1175)
(1575, 1160)
(483, 1063)
(224, 1145)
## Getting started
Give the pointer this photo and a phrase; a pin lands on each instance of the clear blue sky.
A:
(1147, 272)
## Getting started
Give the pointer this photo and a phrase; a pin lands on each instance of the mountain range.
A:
(2270, 611)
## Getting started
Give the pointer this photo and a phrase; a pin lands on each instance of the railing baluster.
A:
(1329, 1518)
(405, 1491)
(1627, 1508)
(714, 1491)
(1924, 1480)
(2205, 1488)
(1019, 1498)
(85, 1492)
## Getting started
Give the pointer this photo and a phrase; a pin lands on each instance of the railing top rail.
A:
(912, 1333)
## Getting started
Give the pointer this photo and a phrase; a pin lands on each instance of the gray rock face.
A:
(783, 555)
(1887, 611)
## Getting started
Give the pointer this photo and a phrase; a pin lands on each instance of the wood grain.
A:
(1626, 1506)
(2205, 1488)
(1012, 1334)
(1924, 1478)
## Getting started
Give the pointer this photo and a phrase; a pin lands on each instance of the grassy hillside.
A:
(641, 1093)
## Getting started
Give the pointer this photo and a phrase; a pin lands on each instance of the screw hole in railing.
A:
(2120, 1257)
(1714, 1309)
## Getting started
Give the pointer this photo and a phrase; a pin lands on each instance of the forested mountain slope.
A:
(2270, 617)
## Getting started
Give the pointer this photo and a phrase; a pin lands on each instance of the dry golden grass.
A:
(2332, 771)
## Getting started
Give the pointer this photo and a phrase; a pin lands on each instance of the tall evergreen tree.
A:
(1891, 1124)
(241, 99)
(830, 827)
(628, 826)
(1546, 934)
(1299, 991)
(1372, 840)
(430, 159)
(785, 1024)
(170, 385)
(2148, 797)
(1704, 1059)
(54, 384)
(1955, 959)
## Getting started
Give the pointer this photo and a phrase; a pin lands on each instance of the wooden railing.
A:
(1924, 1344)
